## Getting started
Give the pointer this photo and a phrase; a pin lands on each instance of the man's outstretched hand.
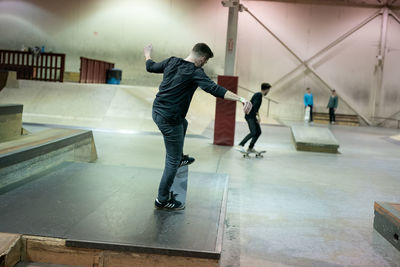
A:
(247, 105)
(147, 51)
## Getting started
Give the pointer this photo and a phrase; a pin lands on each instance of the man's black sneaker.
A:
(186, 160)
(170, 204)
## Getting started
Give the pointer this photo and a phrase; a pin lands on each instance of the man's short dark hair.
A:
(203, 50)
(265, 86)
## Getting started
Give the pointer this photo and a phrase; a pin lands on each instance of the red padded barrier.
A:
(225, 113)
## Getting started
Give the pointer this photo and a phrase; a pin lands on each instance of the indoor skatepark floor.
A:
(289, 208)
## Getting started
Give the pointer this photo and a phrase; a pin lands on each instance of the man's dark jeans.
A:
(255, 132)
(332, 116)
(174, 136)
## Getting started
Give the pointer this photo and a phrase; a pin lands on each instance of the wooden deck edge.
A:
(385, 209)
(10, 249)
(387, 222)
(55, 251)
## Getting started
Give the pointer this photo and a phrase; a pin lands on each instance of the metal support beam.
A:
(346, 101)
(231, 36)
(394, 16)
(378, 90)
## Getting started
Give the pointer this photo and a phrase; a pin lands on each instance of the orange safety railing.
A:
(43, 67)
(94, 71)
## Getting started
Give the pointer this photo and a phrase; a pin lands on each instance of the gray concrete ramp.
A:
(314, 138)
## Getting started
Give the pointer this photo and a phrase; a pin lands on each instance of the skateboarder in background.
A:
(180, 81)
(253, 120)
(332, 105)
(309, 102)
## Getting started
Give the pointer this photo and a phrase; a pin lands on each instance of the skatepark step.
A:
(387, 221)
(314, 139)
(31, 154)
(341, 119)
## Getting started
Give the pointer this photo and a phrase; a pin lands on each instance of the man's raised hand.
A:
(147, 51)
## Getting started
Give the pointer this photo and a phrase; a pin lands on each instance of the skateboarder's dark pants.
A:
(255, 132)
(174, 136)
(332, 116)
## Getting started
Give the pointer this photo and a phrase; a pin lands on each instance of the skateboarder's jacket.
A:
(181, 79)
(256, 100)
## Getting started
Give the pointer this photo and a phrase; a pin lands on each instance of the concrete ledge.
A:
(34, 153)
(10, 122)
(387, 221)
(314, 139)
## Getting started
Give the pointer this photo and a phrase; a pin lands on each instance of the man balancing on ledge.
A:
(180, 81)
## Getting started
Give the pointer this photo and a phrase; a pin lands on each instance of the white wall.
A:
(117, 31)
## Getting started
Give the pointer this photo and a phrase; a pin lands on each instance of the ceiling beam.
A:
(354, 3)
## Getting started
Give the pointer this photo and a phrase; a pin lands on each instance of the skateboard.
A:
(179, 186)
(258, 154)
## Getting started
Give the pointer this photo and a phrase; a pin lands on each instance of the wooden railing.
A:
(43, 67)
(385, 119)
(341, 119)
(268, 99)
(94, 71)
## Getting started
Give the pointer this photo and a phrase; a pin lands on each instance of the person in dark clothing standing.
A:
(332, 105)
(253, 119)
(180, 81)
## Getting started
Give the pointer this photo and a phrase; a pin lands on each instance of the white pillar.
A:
(231, 36)
(377, 92)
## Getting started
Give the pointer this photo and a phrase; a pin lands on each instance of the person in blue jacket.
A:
(309, 102)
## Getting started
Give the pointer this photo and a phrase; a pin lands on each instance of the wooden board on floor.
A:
(387, 221)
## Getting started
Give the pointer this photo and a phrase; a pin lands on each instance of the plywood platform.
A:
(95, 207)
(314, 138)
(387, 221)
